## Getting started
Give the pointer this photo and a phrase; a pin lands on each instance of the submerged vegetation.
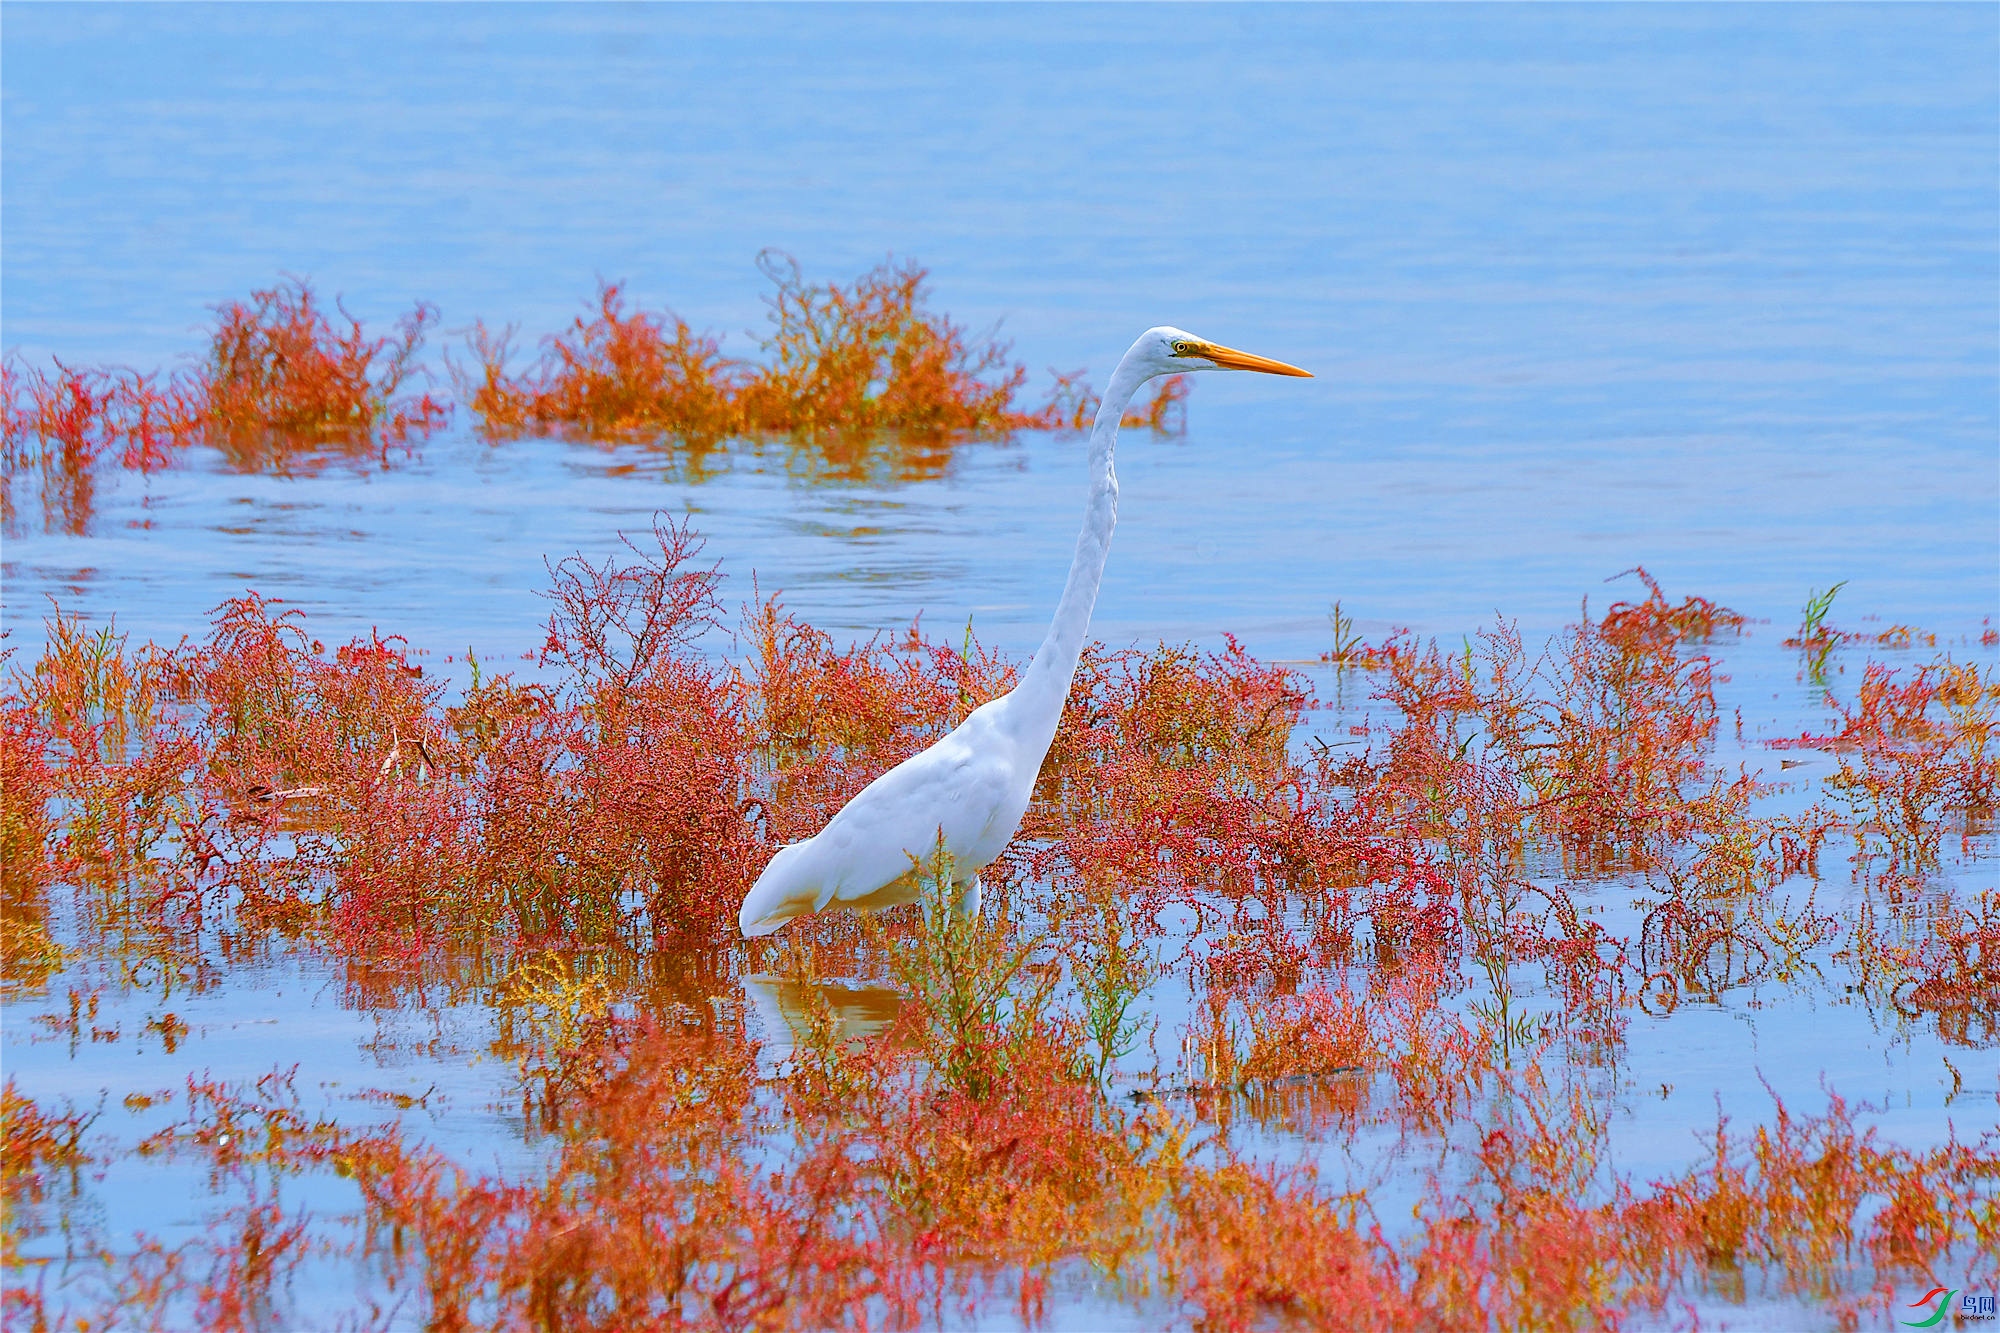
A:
(851, 374)
(1217, 926)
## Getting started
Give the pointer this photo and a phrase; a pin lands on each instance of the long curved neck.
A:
(1044, 687)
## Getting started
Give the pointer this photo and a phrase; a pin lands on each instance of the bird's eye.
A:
(1182, 348)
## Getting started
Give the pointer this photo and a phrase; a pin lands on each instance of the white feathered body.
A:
(970, 788)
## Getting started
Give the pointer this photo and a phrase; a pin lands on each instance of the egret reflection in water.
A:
(787, 1004)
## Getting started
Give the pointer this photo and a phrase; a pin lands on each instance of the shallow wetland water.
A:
(1440, 967)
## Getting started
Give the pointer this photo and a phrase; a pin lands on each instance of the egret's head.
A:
(1171, 351)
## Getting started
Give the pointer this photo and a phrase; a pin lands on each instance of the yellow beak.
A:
(1231, 359)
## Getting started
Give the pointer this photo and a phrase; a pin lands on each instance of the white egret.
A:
(971, 788)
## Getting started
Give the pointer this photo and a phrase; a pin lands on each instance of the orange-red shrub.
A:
(1655, 620)
(612, 376)
(279, 378)
(1246, 1248)
(1913, 750)
(279, 375)
(872, 356)
(64, 423)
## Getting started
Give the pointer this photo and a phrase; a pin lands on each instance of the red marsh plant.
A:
(233, 1275)
(1914, 749)
(64, 424)
(1807, 1198)
(282, 379)
(34, 1140)
(615, 375)
(29, 857)
(872, 356)
(282, 373)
